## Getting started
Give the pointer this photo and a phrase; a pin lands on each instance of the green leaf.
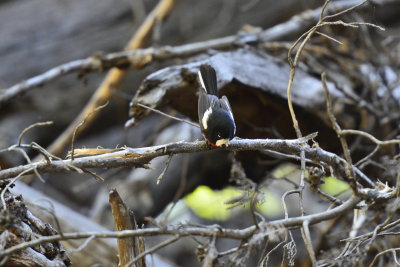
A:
(333, 186)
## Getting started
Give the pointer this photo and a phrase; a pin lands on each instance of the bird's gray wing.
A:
(224, 102)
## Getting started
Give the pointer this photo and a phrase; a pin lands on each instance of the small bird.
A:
(215, 114)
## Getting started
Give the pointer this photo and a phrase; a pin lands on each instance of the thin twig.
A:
(94, 175)
(82, 246)
(364, 161)
(305, 232)
(48, 157)
(153, 249)
(21, 135)
(371, 137)
(321, 16)
(287, 193)
(233, 250)
(168, 116)
(343, 11)
(338, 130)
(393, 250)
(81, 124)
(161, 176)
(369, 235)
(329, 37)
(28, 160)
(264, 261)
(330, 198)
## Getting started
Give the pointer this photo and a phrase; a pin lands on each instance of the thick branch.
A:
(138, 157)
(122, 220)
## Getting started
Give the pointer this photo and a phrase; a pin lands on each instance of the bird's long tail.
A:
(208, 79)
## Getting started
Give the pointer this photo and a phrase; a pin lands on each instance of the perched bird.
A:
(215, 114)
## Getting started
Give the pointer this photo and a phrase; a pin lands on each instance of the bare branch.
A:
(30, 127)
(183, 230)
(371, 137)
(139, 157)
(347, 10)
(329, 37)
(140, 57)
(338, 130)
(392, 250)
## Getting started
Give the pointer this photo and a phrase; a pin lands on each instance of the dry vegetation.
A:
(320, 90)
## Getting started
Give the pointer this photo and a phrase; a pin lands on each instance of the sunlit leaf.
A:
(272, 206)
(212, 204)
(333, 186)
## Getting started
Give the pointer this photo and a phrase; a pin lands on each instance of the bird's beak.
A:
(222, 143)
